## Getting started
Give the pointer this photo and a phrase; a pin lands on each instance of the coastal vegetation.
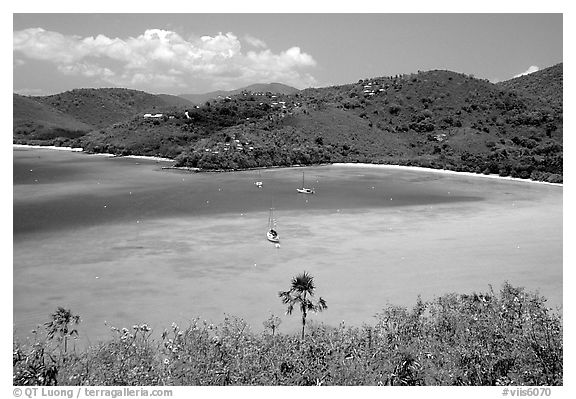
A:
(434, 119)
(509, 337)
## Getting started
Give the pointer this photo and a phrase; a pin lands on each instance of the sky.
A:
(202, 52)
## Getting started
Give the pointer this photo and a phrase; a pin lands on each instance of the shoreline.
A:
(443, 171)
(80, 149)
(341, 164)
(48, 147)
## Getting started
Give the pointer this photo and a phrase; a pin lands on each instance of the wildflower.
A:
(125, 330)
(166, 362)
(135, 327)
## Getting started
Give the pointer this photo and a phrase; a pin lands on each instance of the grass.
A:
(504, 338)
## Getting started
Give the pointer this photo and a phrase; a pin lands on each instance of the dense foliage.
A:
(435, 119)
(505, 338)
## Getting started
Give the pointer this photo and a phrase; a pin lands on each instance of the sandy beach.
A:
(79, 149)
(47, 147)
(420, 169)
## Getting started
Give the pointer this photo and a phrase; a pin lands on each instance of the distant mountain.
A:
(174, 100)
(276, 88)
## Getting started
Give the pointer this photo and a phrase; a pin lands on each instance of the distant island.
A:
(435, 119)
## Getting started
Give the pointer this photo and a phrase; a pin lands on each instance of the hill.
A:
(104, 107)
(34, 121)
(56, 119)
(275, 88)
(437, 119)
(176, 101)
(543, 85)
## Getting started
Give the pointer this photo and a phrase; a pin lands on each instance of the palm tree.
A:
(272, 323)
(302, 287)
(59, 326)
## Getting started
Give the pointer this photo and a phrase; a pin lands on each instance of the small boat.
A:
(305, 190)
(259, 183)
(272, 234)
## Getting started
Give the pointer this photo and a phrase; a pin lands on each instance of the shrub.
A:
(508, 337)
(394, 108)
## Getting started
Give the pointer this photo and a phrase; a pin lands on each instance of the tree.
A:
(302, 288)
(59, 326)
(272, 323)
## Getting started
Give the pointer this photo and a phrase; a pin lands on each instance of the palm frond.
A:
(285, 297)
(303, 283)
(322, 304)
(309, 305)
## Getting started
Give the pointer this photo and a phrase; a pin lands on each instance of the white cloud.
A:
(87, 69)
(26, 91)
(530, 70)
(164, 59)
(255, 42)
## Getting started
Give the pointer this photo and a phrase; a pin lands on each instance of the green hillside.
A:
(544, 86)
(436, 119)
(34, 121)
(104, 107)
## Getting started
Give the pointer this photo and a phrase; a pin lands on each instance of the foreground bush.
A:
(509, 338)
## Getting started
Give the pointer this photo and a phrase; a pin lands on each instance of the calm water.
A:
(122, 241)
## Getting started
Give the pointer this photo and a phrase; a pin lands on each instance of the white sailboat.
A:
(259, 183)
(305, 190)
(272, 234)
